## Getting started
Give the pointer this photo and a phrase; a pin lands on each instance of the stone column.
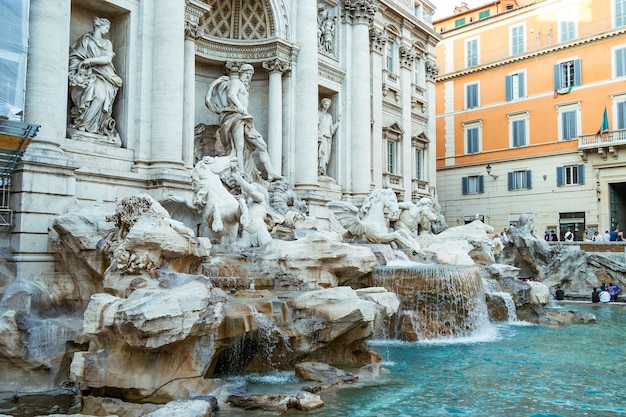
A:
(306, 96)
(432, 70)
(407, 58)
(45, 184)
(276, 68)
(359, 14)
(47, 69)
(194, 10)
(168, 50)
(378, 42)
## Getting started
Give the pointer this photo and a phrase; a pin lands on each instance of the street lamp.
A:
(495, 177)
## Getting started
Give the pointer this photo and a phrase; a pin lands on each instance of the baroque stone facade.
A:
(373, 59)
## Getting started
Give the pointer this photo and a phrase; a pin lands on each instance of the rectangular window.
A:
(471, 96)
(518, 132)
(519, 180)
(391, 157)
(472, 139)
(620, 62)
(419, 164)
(418, 79)
(459, 22)
(620, 13)
(567, 31)
(391, 56)
(474, 184)
(621, 115)
(471, 52)
(517, 40)
(417, 10)
(484, 14)
(567, 74)
(515, 86)
(570, 175)
(569, 125)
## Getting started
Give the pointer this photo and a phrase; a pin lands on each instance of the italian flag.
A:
(562, 91)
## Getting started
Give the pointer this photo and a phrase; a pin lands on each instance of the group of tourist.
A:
(616, 235)
(607, 293)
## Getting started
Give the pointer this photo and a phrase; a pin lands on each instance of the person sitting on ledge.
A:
(595, 295)
(559, 293)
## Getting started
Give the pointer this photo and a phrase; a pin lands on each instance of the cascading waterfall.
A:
(492, 287)
(264, 345)
(435, 300)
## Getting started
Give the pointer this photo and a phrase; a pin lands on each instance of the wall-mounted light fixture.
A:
(495, 177)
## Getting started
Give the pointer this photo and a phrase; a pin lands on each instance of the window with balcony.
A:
(518, 41)
(568, 24)
(392, 136)
(518, 130)
(392, 156)
(474, 184)
(418, 164)
(570, 175)
(619, 64)
(471, 96)
(392, 52)
(418, 73)
(621, 114)
(519, 180)
(471, 52)
(515, 86)
(567, 74)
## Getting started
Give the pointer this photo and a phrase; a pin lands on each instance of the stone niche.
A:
(120, 17)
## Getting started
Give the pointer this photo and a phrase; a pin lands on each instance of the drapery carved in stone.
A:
(326, 24)
(239, 19)
(360, 11)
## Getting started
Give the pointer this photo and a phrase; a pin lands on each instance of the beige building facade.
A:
(373, 59)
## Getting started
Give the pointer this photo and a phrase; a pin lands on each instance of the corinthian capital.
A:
(407, 56)
(360, 11)
(277, 65)
(194, 10)
(378, 40)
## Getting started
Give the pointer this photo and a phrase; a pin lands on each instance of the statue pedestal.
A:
(328, 191)
(95, 138)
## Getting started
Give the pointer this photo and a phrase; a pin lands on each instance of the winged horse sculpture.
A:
(370, 222)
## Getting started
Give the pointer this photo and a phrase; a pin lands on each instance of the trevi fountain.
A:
(173, 298)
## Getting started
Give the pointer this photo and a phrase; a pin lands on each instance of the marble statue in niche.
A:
(326, 23)
(93, 82)
(325, 131)
(228, 97)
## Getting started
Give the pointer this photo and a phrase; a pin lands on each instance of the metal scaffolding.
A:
(14, 139)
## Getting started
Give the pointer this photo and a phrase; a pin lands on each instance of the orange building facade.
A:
(520, 100)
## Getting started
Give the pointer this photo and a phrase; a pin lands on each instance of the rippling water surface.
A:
(511, 370)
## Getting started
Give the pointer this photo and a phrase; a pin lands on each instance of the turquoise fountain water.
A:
(509, 369)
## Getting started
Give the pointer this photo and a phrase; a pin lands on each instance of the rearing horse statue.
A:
(370, 222)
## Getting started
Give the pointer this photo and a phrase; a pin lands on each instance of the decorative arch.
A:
(246, 20)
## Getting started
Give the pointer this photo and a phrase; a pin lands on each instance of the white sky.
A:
(445, 8)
